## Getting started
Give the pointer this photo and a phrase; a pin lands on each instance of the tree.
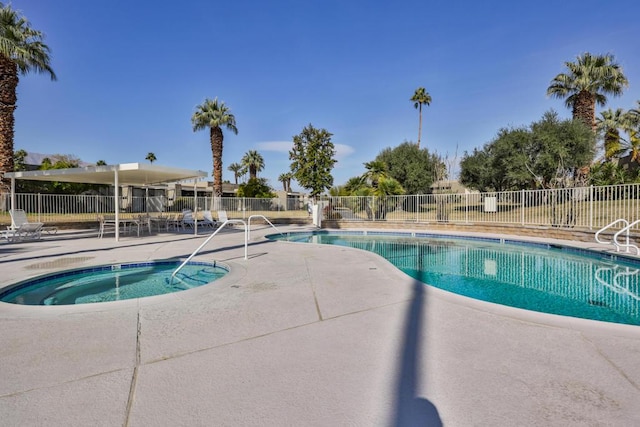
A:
(256, 187)
(21, 51)
(20, 160)
(631, 124)
(545, 154)
(375, 170)
(151, 157)
(312, 159)
(475, 170)
(238, 171)
(101, 163)
(214, 115)
(285, 179)
(413, 167)
(253, 162)
(586, 83)
(420, 97)
(609, 125)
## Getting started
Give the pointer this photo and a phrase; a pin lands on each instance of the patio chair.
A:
(141, 222)
(208, 220)
(19, 217)
(174, 221)
(107, 224)
(222, 216)
(29, 230)
(188, 220)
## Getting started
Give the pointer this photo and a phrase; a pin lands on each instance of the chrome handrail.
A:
(265, 218)
(606, 227)
(246, 242)
(627, 245)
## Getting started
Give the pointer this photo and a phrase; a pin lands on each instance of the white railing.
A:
(208, 239)
(587, 207)
(627, 245)
(611, 225)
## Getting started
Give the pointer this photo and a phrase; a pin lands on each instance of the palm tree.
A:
(151, 157)
(587, 83)
(237, 169)
(214, 115)
(254, 162)
(285, 179)
(21, 51)
(376, 170)
(609, 124)
(101, 163)
(420, 97)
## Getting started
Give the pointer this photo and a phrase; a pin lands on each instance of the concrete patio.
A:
(298, 335)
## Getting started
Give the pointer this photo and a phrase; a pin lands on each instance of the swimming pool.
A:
(111, 283)
(532, 276)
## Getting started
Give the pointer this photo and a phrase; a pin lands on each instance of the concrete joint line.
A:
(313, 291)
(616, 367)
(134, 376)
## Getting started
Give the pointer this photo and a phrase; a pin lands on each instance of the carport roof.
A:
(137, 174)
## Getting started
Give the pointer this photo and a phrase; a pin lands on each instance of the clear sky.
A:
(131, 72)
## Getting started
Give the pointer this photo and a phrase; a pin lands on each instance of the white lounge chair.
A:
(208, 220)
(222, 216)
(19, 217)
(29, 230)
(188, 220)
(22, 229)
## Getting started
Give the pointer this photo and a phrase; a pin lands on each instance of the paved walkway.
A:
(298, 335)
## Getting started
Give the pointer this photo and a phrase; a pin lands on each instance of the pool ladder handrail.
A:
(265, 218)
(228, 221)
(247, 232)
(628, 245)
(606, 227)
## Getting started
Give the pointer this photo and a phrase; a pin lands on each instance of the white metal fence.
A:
(587, 207)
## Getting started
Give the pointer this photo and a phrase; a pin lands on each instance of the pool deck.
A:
(298, 335)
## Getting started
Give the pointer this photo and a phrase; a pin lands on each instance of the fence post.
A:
(591, 207)
(39, 206)
(522, 207)
(466, 208)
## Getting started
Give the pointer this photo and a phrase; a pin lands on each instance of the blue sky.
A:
(130, 74)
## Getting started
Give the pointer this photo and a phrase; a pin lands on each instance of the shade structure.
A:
(134, 174)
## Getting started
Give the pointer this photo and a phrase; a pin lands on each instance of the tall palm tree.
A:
(237, 169)
(285, 179)
(151, 157)
(215, 115)
(609, 124)
(420, 97)
(586, 83)
(21, 51)
(254, 162)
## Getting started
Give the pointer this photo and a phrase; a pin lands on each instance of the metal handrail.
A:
(597, 236)
(627, 245)
(246, 243)
(265, 218)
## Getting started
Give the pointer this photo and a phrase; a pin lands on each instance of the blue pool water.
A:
(539, 277)
(111, 283)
